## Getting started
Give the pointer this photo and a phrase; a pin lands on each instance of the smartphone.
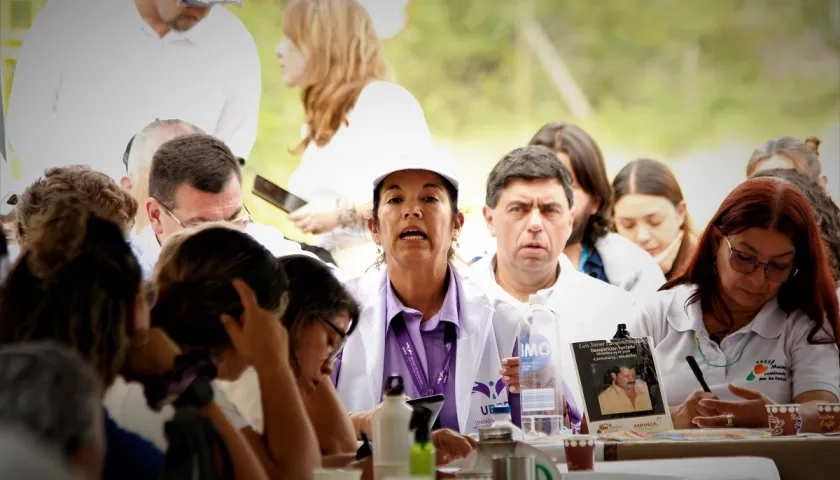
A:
(8, 204)
(433, 402)
(276, 195)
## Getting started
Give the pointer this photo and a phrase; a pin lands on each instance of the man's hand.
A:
(510, 374)
(450, 445)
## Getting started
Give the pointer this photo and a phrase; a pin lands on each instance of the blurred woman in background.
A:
(649, 209)
(756, 302)
(826, 211)
(356, 122)
(79, 283)
(788, 152)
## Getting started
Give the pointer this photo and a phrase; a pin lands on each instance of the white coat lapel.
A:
(476, 320)
(373, 338)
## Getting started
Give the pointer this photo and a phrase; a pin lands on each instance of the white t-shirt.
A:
(92, 73)
(126, 404)
(588, 309)
(771, 354)
(386, 121)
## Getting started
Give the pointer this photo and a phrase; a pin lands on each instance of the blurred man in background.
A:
(91, 73)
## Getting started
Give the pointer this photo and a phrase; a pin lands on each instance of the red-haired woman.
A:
(757, 307)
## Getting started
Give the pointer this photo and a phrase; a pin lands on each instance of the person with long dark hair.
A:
(757, 307)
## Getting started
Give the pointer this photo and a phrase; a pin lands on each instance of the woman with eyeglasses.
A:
(756, 306)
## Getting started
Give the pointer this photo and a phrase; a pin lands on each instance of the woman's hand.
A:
(691, 409)
(152, 357)
(258, 336)
(510, 374)
(311, 219)
(450, 445)
(749, 413)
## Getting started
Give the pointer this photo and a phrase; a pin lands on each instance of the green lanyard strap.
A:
(706, 361)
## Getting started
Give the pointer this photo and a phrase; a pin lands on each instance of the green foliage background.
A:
(765, 67)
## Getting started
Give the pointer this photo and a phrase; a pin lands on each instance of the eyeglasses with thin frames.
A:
(744, 262)
(336, 351)
(241, 220)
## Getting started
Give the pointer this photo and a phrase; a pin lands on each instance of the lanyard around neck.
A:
(706, 361)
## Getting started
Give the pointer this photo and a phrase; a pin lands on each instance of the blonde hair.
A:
(343, 54)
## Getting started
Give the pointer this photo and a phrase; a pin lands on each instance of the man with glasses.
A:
(196, 179)
(91, 73)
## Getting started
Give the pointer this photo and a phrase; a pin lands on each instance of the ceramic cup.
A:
(580, 452)
(784, 420)
(829, 417)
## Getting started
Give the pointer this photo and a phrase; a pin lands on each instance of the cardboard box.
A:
(797, 458)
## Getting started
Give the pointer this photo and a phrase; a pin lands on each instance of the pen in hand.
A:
(695, 368)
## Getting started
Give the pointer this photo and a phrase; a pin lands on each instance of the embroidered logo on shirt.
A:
(490, 390)
(761, 367)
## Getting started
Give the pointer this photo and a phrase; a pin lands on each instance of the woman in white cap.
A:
(357, 121)
(420, 318)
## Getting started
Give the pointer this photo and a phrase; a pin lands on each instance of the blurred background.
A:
(696, 84)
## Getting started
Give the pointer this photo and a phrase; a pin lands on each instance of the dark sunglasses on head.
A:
(744, 262)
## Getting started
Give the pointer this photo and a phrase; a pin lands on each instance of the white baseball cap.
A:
(428, 159)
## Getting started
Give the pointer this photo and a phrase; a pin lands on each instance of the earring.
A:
(457, 244)
(714, 266)
(379, 250)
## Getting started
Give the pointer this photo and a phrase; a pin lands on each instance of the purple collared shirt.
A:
(428, 339)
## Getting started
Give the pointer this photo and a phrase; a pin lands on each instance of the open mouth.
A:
(413, 234)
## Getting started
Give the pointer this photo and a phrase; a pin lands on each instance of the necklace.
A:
(706, 361)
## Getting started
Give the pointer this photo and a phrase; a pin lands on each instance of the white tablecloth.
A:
(719, 468)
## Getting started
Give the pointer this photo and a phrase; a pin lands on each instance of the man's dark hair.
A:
(527, 163)
(587, 163)
(198, 160)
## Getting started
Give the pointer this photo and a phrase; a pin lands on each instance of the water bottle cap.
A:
(500, 409)
(394, 386)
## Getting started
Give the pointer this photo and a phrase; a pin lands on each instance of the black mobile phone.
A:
(434, 403)
(276, 195)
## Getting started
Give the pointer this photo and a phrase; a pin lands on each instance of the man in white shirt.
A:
(138, 156)
(196, 179)
(529, 210)
(91, 73)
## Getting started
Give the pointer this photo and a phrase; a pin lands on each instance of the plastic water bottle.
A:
(501, 418)
(539, 371)
(392, 439)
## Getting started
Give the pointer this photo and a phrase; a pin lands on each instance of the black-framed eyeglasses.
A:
(240, 220)
(744, 262)
(336, 350)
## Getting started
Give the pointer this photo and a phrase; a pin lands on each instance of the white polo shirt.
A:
(92, 73)
(147, 248)
(771, 354)
(588, 309)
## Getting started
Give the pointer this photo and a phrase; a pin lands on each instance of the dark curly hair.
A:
(94, 190)
(827, 212)
(76, 283)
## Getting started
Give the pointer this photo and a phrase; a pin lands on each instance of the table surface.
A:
(728, 468)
